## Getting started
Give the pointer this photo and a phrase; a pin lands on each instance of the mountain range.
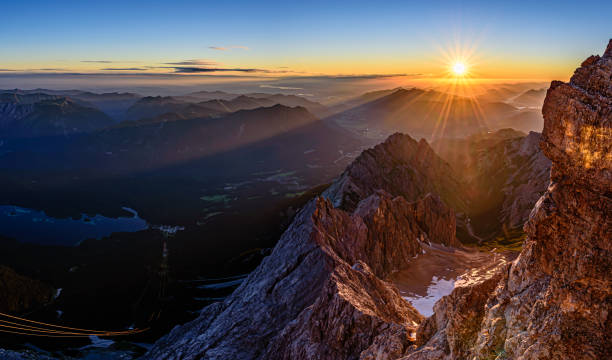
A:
(322, 293)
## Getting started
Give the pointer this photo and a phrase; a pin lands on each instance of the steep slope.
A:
(321, 294)
(554, 301)
(402, 167)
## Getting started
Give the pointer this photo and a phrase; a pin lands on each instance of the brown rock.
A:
(320, 294)
(556, 299)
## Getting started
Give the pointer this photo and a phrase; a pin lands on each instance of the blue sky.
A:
(537, 39)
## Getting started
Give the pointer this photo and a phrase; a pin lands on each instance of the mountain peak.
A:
(608, 52)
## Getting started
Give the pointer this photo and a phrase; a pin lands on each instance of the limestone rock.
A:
(555, 301)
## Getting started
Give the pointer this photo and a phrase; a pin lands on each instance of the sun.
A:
(459, 69)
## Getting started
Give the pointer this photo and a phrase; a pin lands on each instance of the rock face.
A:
(555, 299)
(402, 167)
(322, 293)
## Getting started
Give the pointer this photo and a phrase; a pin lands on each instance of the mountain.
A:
(152, 145)
(265, 153)
(156, 109)
(37, 114)
(505, 173)
(360, 100)
(525, 120)
(499, 94)
(425, 113)
(533, 98)
(321, 293)
(112, 104)
(402, 167)
(204, 95)
(292, 101)
(553, 302)
(153, 106)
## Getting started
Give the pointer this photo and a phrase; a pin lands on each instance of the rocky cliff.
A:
(322, 293)
(554, 301)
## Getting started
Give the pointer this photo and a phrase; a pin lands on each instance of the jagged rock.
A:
(400, 166)
(555, 301)
(321, 294)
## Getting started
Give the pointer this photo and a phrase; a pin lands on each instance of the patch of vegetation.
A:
(508, 240)
(216, 198)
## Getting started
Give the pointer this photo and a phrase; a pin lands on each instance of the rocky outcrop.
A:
(400, 166)
(322, 293)
(555, 299)
(20, 293)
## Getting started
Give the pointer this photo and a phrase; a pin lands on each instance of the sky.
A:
(221, 40)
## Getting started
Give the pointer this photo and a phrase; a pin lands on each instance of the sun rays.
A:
(458, 86)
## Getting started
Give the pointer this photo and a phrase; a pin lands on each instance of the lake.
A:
(28, 225)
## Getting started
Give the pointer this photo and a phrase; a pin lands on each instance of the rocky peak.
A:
(322, 293)
(400, 166)
(554, 300)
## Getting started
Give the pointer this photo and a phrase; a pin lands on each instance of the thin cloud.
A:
(280, 87)
(356, 76)
(194, 62)
(97, 61)
(8, 70)
(184, 69)
(125, 69)
(226, 48)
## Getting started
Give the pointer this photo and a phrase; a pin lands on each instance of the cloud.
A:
(280, 87)
(194, 62)
(356, 76)
(125, 69)
(185, 69)
(8, 70)
(226, 48)
(97, 61)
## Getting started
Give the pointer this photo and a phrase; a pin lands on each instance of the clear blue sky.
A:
(307, 37)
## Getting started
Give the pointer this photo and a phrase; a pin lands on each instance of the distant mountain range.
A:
(159, 108)
(37, 114)
(533, 98)
(431, 114)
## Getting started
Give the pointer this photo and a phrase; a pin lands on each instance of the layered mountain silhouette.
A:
(37, 114)
(430, 114)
